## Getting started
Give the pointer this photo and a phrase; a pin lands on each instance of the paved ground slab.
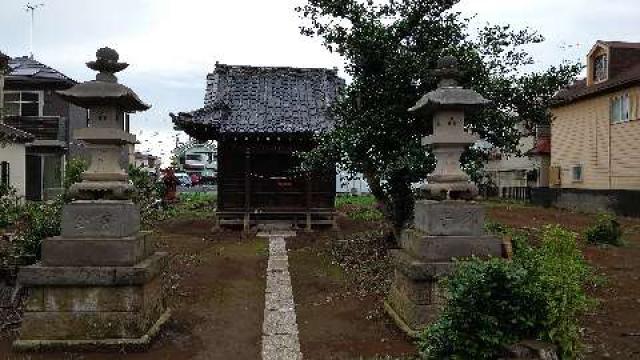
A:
(280, 329)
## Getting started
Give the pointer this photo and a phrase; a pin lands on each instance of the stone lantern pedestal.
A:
(98, 285)
(447, 226)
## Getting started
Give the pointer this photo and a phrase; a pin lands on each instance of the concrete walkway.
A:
(279, 329)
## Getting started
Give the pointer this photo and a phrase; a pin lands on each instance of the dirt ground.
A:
(216, 291)
(333, 320)
(612, 330)
(216, 282)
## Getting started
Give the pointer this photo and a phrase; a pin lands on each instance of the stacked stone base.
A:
(93, 290)
(443, 232)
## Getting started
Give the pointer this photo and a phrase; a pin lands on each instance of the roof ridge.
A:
(220, 66)
(617, 43)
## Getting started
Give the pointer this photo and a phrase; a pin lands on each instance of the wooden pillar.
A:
(307, 193)
(247, 189)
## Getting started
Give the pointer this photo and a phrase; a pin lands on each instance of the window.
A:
(621, 108)
(600, 68)
(5, 174)
(23, 103)
(576, 173)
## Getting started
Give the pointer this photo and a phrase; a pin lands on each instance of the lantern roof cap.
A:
(105, 89)
(448, 95)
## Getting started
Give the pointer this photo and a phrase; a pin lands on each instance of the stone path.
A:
(279, 329)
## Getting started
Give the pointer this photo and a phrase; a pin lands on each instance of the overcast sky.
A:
(172, 44)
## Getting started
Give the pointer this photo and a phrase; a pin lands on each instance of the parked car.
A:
(184, 179)
(195, 179)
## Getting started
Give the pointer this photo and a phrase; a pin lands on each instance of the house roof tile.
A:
(25, 69)
(249, 100)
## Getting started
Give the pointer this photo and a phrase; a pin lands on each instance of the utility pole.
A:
(31, 8)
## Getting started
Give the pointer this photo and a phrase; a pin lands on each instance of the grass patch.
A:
(362, 208)
(313, 263)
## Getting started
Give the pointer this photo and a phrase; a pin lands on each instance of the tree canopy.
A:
(390, 48)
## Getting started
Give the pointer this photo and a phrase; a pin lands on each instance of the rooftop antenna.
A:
(32, 9)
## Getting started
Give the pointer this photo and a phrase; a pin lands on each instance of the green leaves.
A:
(492, 304)
(390, 49)
(606, 231)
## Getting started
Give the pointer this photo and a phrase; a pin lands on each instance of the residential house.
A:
(147, 162)
(200, 158)
(596, 133)
(12, 145)
(13, 152)
(31, 104)
(4, 66)
(510, 175)
(261, 116)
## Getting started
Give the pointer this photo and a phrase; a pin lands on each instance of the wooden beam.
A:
(247, 187)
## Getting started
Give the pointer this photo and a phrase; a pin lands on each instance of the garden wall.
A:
(620, 202)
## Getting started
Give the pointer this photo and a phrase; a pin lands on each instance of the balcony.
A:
(48, 130)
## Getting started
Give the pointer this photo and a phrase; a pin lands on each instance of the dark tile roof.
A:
(14, 135)
(621, 44)
(26, 70)
(580, 90)
(624, 71)
(247, 99)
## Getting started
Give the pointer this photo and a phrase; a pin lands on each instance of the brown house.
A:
(260, 116)
(596, 132)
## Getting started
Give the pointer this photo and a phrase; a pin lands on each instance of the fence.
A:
(521, 193)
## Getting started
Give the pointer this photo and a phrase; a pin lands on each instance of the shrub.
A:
(73, 172)
(147, 195)
(492, 304)
(606, 230)
(9, 207)
(37, 221)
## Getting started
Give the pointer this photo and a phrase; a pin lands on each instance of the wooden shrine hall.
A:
(261, 116)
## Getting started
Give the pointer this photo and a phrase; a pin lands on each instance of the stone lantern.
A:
(98, 284)
(447, 226)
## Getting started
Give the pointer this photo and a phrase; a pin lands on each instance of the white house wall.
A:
(15, 155)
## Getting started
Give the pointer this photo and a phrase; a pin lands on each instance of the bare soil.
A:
(216, 281)
(215, 287)
(612, 330)
(334, 321)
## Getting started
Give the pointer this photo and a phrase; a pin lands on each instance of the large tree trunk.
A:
(397, 200)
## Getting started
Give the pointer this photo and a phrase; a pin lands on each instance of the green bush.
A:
(34, 221)
(38, 220)
(147, 195)
(73, 172)
(606, 230)
(9, 207)
(492, 304)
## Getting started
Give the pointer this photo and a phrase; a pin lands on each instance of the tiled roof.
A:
(14, 135)
(25, 69)
(247, 99)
